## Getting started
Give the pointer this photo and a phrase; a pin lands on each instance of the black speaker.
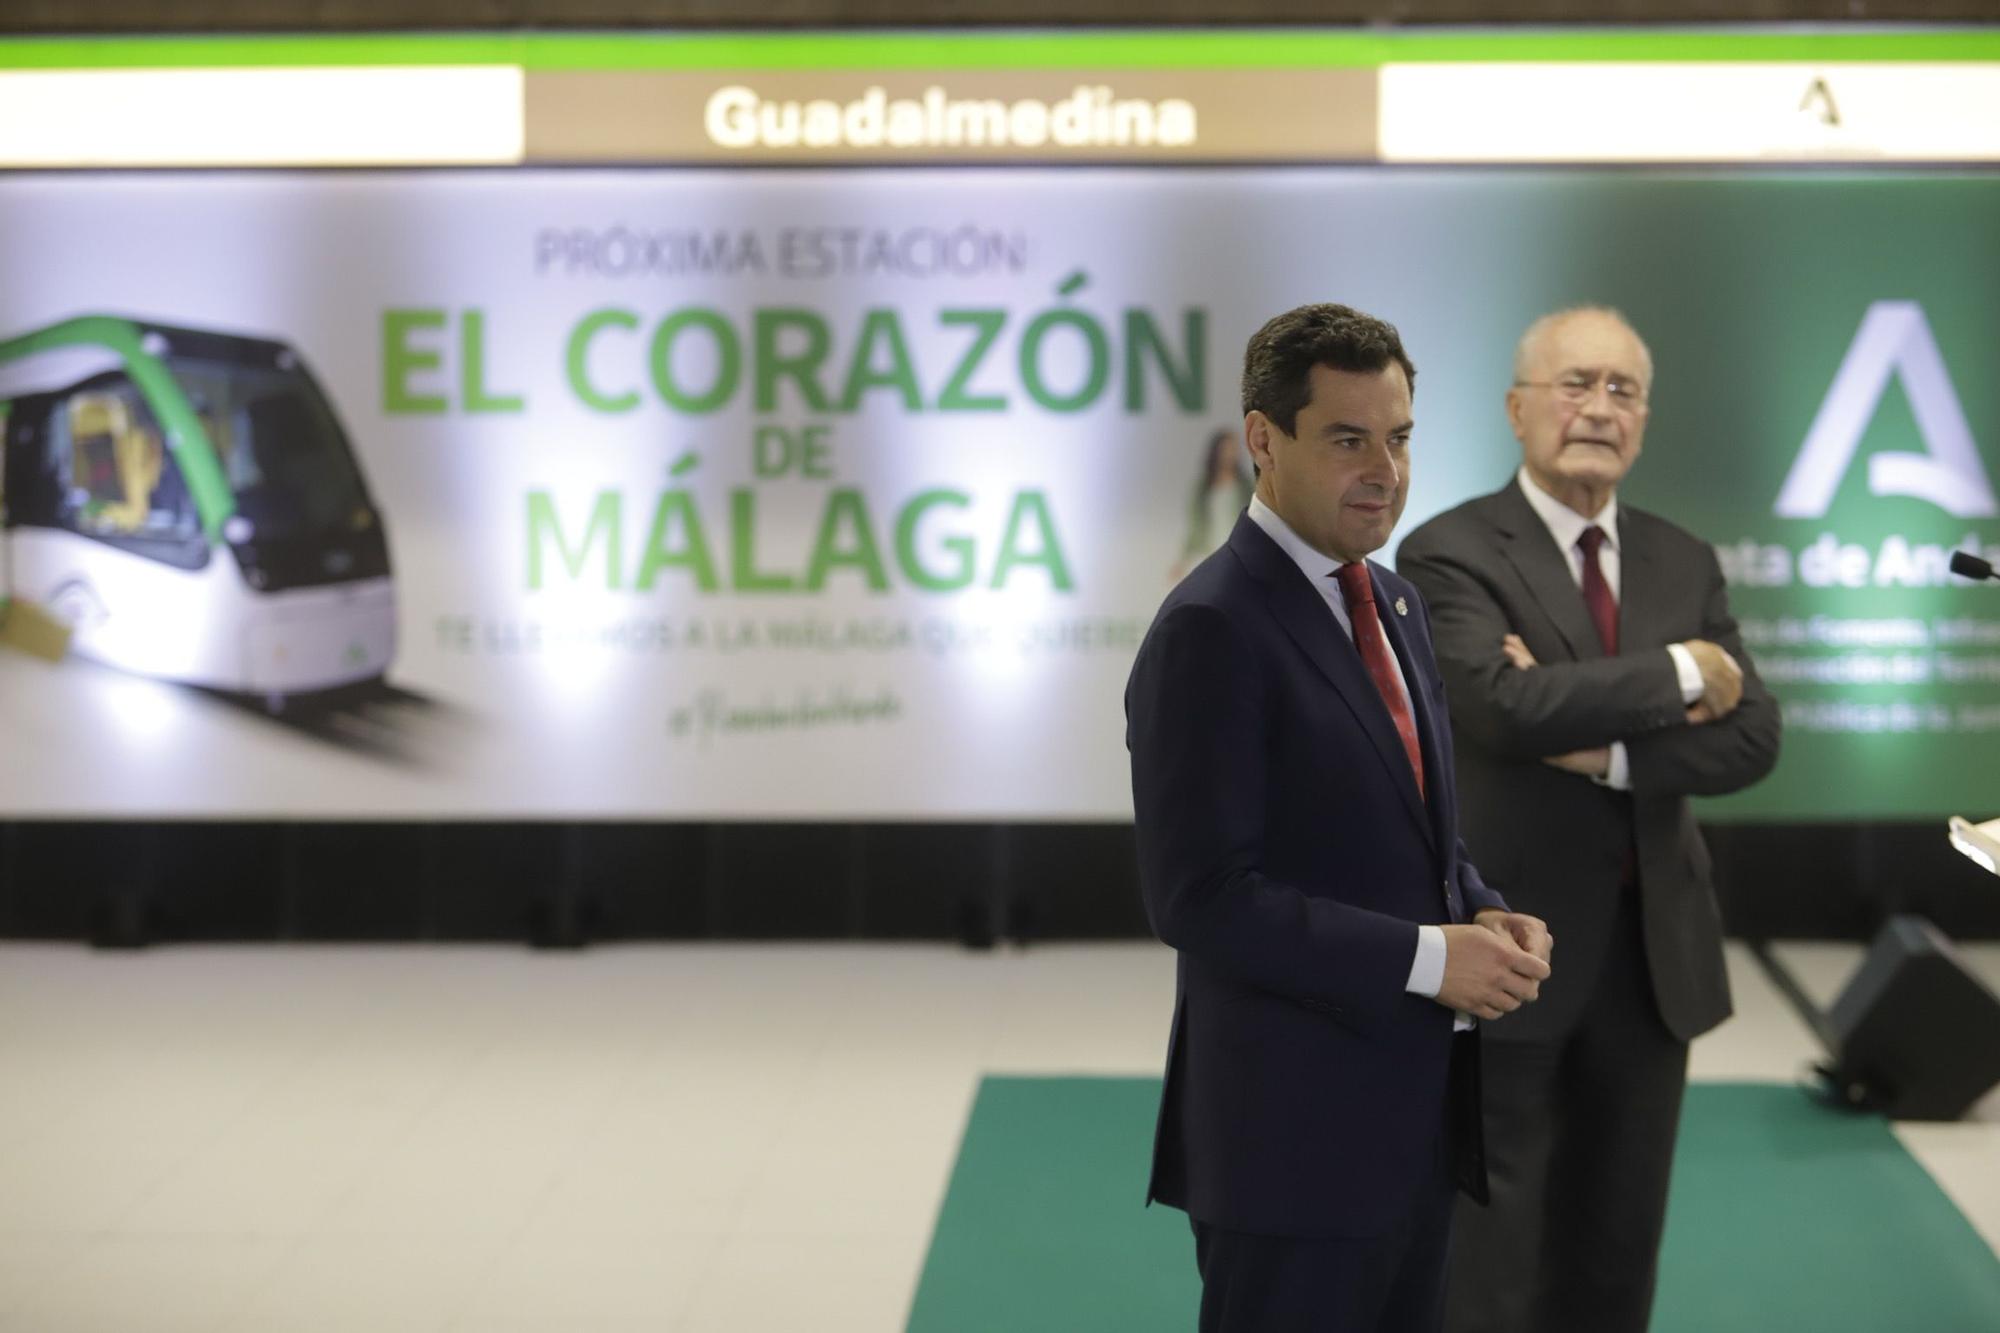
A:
(1916, 1035)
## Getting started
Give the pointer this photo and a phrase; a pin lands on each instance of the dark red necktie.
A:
(1359, 590)
(1597, 593)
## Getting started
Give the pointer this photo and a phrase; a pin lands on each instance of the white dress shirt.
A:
(1427, 968)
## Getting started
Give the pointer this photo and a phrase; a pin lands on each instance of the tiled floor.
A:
(715, 1139)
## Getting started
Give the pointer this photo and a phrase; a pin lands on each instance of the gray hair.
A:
(1531, 338)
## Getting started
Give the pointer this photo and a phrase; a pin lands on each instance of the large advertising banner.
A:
(850, 494)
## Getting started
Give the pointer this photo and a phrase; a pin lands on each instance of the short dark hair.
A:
(1277, 365)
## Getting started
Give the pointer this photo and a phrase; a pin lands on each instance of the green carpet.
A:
(1784, 1216)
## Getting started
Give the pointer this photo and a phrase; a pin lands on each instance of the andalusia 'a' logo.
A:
(1894, 339)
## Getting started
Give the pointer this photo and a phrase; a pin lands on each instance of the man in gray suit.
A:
(1596, 680)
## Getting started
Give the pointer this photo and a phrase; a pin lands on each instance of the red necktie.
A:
(1597, 593)
(1359, 591)
(1603, 609)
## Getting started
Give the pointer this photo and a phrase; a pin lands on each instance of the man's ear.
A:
(1516, 406)
(1257, 430)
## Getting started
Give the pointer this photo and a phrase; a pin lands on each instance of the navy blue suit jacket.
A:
(1285, 853)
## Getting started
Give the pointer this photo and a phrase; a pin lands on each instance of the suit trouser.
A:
(1391, 1283)
(1579, 1145)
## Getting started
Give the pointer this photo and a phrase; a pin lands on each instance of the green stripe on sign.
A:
(1785, 1215)
(1177, 49)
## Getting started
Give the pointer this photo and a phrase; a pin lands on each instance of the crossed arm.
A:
(1569, 713)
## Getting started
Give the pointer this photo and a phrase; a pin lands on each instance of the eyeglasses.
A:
(1627, 395)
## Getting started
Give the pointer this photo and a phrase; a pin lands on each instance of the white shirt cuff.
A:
(1689, 673)
(1427, 970)
(1618, 770)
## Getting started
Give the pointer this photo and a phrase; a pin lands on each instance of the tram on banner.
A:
(188, 503)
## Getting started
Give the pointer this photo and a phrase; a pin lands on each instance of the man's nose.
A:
(1380, 469)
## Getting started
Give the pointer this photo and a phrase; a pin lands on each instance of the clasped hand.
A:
(1495, 965)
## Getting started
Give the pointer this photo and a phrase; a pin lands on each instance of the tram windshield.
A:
(280, 446)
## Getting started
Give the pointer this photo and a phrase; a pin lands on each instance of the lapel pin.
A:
(1402, 607)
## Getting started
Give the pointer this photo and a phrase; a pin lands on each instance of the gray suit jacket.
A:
(1554, 843)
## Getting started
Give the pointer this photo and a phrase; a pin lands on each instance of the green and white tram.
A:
(188, 503)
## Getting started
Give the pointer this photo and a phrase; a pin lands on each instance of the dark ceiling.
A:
(105, 16)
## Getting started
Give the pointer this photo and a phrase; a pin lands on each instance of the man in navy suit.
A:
(1297, 838)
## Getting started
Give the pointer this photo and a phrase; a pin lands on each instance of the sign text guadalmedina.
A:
(1090, 117)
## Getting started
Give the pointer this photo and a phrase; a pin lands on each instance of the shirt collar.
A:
(1564, 523)
(1313, 564)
